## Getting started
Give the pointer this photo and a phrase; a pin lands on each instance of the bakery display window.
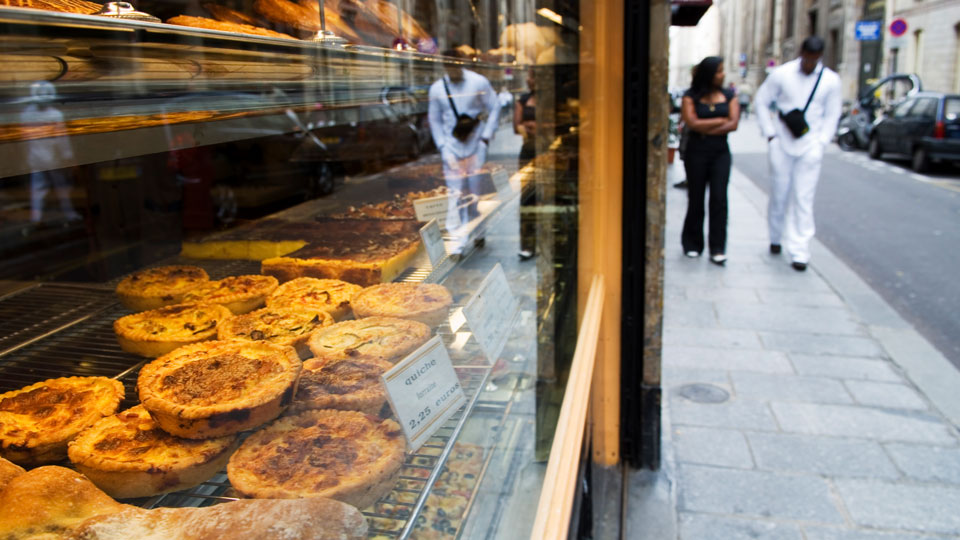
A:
(311, 261)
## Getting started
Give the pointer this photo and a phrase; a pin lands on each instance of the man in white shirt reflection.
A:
(472, 95)
(47, 156)
(795, 161)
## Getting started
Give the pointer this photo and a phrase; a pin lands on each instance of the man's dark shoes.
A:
(799, 266)
(775, 249)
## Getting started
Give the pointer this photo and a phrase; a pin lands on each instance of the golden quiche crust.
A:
(428, 303)
(161, 286)
(159, 331)
(380, 338)
(280, 326)
(347, 384)
(218, 388)
(239, 294)
(343, 455)
(37, 421)
(330, 295)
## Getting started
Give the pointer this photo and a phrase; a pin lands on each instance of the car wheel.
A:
(874, 148)
(321, 181)
(921, 161)
(847, 141)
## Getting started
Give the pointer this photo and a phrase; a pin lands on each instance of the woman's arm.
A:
(692, 121)
(517, 116)
(730, 123)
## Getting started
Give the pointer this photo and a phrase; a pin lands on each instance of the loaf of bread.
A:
(8, 471)
(62, 6)
(334, 20)
(225, 14)
(210, 24)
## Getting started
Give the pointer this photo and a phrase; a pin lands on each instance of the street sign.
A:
(868, 30)
(898, 27)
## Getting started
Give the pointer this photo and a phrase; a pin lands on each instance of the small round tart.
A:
(330, 295)
(218, 388)
(239, 294)
(428, 303)
(378, 338)
(159, 331)
(347, 384)
(158, 287)
(343, 455)
(37, 422)
(128, 455)
(275, 325)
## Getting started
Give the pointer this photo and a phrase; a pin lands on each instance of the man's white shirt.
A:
(472, 95)
(788, 88)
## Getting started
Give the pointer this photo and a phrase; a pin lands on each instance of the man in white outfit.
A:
(795, 161)
(472, 95)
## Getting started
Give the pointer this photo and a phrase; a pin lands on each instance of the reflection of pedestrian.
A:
(743, 97)
(463, 113)
(806, 89)
(48, 157)
(525, 125)
(709, 113)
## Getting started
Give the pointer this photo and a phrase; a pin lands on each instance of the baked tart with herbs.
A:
(280, 326)
(158, 331)
(346, 384)
(330, 295)
(128, 455)
(378, 338)
(428, 303)
(37, 421)
(218, 388)
(239, 294)
(158, 287)
(343, 455)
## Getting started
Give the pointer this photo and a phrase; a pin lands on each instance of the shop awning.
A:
(688, 12)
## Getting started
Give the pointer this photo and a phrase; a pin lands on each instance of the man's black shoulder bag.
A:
(794, 119)
(465, 123)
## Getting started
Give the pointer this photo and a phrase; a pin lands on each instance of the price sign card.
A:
(424, 391)
(490, 312)
(433, 242)
(431, 208)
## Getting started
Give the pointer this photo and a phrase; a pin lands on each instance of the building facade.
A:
(930, 47)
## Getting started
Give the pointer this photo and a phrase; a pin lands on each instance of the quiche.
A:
(37, 421)
(158, 287)
(239, 294)
(346, 384)
(378, 338)
(128, 455)
(428, 303)
(280, 326)
(218, 388)
(330, 295)
(159, 331)
(343, 455)
(8, 471)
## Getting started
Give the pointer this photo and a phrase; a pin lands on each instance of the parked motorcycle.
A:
(853, 131)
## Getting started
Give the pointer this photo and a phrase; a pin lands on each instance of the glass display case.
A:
(313, 139)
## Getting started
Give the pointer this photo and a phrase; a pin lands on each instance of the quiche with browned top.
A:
(280, 326)
(379, 338)
(218, 388)
(37, 422)
(428, 303)
(239, 294)
(346, 384)
(159, 331)
(158, 287)
(330, 295)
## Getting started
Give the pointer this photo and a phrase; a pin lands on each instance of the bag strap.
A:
(454, 107)
(812, 92)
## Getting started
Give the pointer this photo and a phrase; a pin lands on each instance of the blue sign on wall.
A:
(868, 30)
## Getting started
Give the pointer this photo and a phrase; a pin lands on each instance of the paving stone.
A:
(865, 422)
(751, 493)
(825, 533)
(894, 396)
(707, 446)
(691, 273)
(721, 338)
(723, 294)
(674, 377)
(690, 313)
(726, 359)
(820, 455)
(805, 343)
(773, 296)
(928, 509)
(845, 367)
(674, 292)
(803, 319)
(759, 386)
(707, 527)
(735, 414)
(927, 463)
(774, 280)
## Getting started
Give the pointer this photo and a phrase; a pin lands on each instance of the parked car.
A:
(858, 119)
(925, 128)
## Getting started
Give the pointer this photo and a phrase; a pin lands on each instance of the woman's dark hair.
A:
(703, 74)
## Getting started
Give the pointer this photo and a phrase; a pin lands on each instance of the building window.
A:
(812, 20)
(918, 52)
(788, 17)
(956, 59)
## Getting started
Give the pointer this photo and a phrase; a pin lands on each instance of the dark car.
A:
(924, 127)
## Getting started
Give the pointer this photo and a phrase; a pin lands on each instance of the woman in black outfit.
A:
(525, 125)
(710, 112)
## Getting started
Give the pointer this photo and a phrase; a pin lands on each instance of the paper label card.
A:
(424, 391)
(431, 208)
(501, 180)
(490, 312)
(433, 242)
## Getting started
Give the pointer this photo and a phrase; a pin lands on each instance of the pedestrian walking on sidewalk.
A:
(806, 96)
(709, 112)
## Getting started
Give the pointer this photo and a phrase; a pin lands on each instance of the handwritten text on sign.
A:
(490, 312)
(431, 208)
(433, 242)
(424, 391)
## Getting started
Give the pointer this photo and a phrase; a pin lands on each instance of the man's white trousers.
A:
(792, 188)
